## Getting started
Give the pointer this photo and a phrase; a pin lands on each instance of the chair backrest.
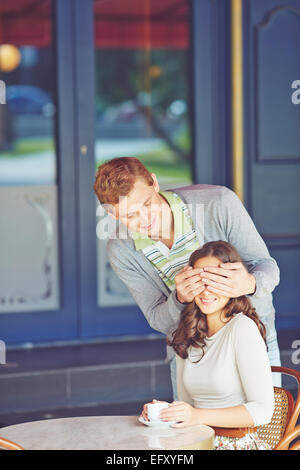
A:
(9, 445)
(273, 432)
(286, 412)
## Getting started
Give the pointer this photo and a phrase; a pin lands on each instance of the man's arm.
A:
(258, 274)
(162, 312)
(243, 235)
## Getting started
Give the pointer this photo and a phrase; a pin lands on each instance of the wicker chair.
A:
(9, 445)
(282, 429)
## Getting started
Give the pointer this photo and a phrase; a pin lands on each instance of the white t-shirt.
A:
(234, 370)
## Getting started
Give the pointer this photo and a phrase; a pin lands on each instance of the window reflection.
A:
(27, 147)
(142, 85)
(28, 180)
(142, 99)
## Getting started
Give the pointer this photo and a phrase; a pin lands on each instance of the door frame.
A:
(60, 324)
(210, 154)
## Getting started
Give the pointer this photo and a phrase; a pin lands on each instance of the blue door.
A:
(272, 140)
(128, 104)
(38, 267)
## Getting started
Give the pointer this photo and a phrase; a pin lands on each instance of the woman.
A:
(223, 371)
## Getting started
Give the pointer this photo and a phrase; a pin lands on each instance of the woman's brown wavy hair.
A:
(192, 328)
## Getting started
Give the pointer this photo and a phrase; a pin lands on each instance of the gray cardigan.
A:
(217, 214)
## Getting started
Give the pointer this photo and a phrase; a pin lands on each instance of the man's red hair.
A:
(116, 178)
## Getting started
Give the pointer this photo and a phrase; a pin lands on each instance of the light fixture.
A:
(10, 57)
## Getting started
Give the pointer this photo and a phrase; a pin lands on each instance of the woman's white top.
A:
(234, 370)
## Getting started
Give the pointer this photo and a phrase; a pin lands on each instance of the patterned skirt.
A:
(250, 441)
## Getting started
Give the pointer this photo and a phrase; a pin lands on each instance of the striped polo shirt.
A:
(168, 262)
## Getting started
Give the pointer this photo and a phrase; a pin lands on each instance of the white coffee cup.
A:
(154, 410)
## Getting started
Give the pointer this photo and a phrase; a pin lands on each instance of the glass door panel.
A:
(29, 268)
(38, 265)
(142, 101)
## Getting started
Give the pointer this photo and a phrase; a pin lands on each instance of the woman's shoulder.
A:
(244, 332)
(242, 324)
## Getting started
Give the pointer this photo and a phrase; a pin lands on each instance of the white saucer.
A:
(161, 424)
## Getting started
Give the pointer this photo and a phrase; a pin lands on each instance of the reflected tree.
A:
(152, 81)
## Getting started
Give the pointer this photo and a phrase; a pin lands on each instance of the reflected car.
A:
(125, 111)
(27, 99)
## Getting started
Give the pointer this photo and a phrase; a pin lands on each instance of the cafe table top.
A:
(106, 433)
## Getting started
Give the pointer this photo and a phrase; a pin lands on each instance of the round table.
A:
(106, 433)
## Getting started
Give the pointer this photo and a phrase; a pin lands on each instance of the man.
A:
(158, 231)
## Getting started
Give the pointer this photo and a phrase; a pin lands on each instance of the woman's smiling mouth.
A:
(208, 301)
